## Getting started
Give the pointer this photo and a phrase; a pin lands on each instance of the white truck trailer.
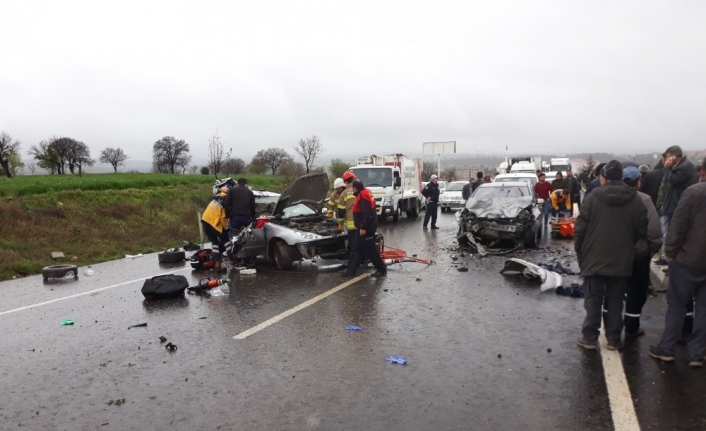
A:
(395, 182)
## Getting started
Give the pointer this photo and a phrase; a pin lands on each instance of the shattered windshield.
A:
(374, 177)
(500, 192)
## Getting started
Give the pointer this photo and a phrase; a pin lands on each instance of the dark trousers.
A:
(604, 295)
(220, 241)
(365, 245)
(239, 222)
(636, 297)
(432, 213)
(685, 283)
(352, 246)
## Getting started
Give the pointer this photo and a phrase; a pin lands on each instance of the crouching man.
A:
(215, 226)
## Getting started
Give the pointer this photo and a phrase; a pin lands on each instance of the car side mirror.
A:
(398, 182)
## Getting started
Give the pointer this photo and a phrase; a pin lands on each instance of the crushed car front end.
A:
(497, 220)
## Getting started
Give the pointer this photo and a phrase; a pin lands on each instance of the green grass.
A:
(25, 185)
(83, 218)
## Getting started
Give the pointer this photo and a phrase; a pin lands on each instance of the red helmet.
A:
(348, 176)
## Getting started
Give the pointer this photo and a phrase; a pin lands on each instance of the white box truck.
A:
(395, 182)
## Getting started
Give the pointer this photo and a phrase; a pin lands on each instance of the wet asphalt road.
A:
(485, 352)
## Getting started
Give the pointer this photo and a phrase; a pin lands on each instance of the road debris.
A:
(548, 280)
(67, 322)
(89, 272)
(171, 347)
(133, 256)
(353, 328)
(397, 360)
(57, 255)
(139, 325)
(162, 338)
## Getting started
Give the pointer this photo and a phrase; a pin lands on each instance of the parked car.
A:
(296, 229)
(500, 211)
(452, 198)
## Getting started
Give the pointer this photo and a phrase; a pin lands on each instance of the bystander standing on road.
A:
(560, 182)
(240, 205)
(686, 250)
(478, 181)
(653, 180)
(611, 222)
(679, 174)
(487, 179)
(639, 280)
(366, 220)
(544, 191)
(431, 192)
(574, 190)
(469, 188)
(595, 180)
(215, 226)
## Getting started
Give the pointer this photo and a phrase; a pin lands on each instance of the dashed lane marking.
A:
(39, 304)
(255, 329)
(622, 408)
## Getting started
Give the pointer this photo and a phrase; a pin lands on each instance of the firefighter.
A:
(338, 187)
(346, 200)
(215, 226)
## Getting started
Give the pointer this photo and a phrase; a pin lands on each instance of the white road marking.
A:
(621, 406)
(39, 304)
(255, 329)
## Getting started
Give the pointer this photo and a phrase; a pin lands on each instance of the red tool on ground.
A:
(206, 283)
(563, 228)
(392, 255)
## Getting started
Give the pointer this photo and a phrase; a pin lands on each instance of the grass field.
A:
(25, 185)
(84, 217)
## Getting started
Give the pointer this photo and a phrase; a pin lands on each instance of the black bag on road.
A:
(165, 286)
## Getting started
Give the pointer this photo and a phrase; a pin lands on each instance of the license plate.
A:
(500, 227)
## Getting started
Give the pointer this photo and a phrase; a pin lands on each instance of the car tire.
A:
(396, 216)
(416, 208)
(171, 256)
(530, 238)
(283, 256)
(59, 271)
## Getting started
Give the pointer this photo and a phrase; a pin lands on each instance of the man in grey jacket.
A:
(639, 280)
(612, 220)
(686, 250)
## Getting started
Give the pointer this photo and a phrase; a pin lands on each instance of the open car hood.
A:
(496, 208)
(310, 190)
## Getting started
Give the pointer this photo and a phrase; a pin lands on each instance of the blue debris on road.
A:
(397, 360)
(353, 328)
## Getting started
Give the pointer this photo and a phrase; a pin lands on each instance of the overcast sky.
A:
(367, 77)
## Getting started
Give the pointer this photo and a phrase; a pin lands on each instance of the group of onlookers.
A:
(559, 196)
(628, 215)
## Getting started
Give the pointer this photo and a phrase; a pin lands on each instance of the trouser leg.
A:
(434, 214)
(594, 289)
(431, 213)
(354, 257)
(688, 327)
(679, 293)
(370, 251)
(697, 342)
(546, 209)
(213, 236)
(613, 308)
(664, 221)
(636, 293)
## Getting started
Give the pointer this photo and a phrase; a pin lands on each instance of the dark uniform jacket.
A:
(612, 220)
(240, 201)
(651, 182)
(431, 192)
(686, 240)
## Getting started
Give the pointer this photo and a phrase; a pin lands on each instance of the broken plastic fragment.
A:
(353, 328)
(548, 280)
(67, 322)
(397, 360)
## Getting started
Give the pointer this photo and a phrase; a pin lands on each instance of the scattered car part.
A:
(57, 255)
(397, 360)
(548, 280)
(353, 328)
(171, 347)
(171, 256)
(139, 325)
(162, 338)
(251, 271)
(59, 271)
(67, 322)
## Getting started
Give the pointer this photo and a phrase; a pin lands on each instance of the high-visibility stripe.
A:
(632, 315)
(689, 314)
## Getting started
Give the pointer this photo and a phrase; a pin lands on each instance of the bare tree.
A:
(449, 174)
(31, 167)
(194, 169)
(291, 170)
(309, 149)
(234, 165)
(170, 153)
(114, 156)
(216, 154)
(428, 169)
(8, 148)
(272, 158)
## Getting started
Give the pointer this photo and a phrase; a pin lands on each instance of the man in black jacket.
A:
(679, 174)
(366, 221)
(653, 179)
(596, 181)
(613, 219)
(574, 190)
(686, 249)
(431, 192)
(240, 205)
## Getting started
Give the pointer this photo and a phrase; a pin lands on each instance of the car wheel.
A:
(530, 238)
(416, 208)
(283, 256)
(171, 256)
(396, 216)
(58, 271)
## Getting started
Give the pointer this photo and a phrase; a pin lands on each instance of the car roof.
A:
(262, 193)
(516, 175)
(506, 184)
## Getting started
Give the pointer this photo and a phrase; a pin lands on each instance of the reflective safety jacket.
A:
(333, 203)
(215, 213)
(345, 208)
(557, 200)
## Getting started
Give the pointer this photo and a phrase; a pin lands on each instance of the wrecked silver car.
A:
(497, 213)
(296, 229)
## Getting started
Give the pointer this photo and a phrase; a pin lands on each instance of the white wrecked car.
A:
(500, 211)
